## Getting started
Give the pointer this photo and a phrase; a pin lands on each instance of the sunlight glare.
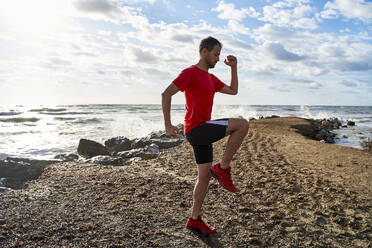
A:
(36, 17)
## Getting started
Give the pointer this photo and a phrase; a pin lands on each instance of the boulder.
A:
(67, 157)
(89, 149)
(351, 123)
(140, 143)
(149, 152)
(17, 171)
(118, 144)
(165, 143)
(106, 160)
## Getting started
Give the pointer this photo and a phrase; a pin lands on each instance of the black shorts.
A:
(202, 137)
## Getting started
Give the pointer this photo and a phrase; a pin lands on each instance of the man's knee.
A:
(236, 124)
(243, 123)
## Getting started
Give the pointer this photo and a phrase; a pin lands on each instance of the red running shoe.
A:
(198, 226)
(223, 177)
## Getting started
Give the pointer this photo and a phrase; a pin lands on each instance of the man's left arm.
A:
(233, 88)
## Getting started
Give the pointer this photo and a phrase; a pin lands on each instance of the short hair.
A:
(208, 43)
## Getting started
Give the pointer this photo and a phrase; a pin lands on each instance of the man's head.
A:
(210, 49)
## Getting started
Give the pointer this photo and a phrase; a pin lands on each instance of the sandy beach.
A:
(294, 192)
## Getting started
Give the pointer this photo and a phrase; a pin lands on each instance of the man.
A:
(199, 88)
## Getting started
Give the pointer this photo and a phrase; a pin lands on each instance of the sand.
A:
(294, 192)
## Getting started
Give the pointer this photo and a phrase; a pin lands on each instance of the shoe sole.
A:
(198, 232)
(215, 176)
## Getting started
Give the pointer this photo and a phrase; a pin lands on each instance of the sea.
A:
(44, 131)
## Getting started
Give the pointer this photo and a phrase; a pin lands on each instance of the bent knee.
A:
(243, 123)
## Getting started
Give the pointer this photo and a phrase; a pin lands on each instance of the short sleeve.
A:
(218, 84)
(183, 79)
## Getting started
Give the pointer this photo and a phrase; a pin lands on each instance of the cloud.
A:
(358, 9)
(354, 65)
(59, 61)
(278, 52)
(290, 14)
(227, 11)
(105, 7)
(240, 44)
(186, 38)
(348, 83)
(141, 55)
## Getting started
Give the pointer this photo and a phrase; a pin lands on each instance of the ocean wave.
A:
(9, 113)
(48, 110)
(67, 113)
(64, 118)
(20, 120)
(87, 121)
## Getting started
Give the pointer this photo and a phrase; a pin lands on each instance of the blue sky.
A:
(112, 51)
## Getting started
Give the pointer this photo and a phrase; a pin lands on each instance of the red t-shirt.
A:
(199, 87)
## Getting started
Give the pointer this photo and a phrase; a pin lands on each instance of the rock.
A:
(181, 129)
(106, 160)
(140, 143)
(149, 152)
(4, 189)
(89, 149)
(3, 181)
(132, 160)
(165, 143)
(344, 126)
(67, 157)
(351, 123)
(19, 170)
(2, 222)
(118, 144)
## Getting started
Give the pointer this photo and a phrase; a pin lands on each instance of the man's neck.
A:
(202, 65)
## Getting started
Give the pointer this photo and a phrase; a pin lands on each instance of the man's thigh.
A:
(208, 132)
(235, 124)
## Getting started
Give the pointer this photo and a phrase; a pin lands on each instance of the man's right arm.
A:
(166, 101)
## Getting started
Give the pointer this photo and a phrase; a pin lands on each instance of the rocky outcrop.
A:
(322, 129)
(90, 148)
(67, 157)
(16, 171)
(118, 144)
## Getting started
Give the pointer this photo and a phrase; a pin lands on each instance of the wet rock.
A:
(106, 160)
(351, 123)
(131, 160)
(140, 143)
(67, 157)
(89, 149)
(165, 143)
(149, 152)
(19, 170)
(118, 144)
(3, 181)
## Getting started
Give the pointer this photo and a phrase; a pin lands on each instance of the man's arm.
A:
(233, 88)
(166, 101)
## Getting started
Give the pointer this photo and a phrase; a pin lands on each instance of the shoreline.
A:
(294, 191)
(16, 171)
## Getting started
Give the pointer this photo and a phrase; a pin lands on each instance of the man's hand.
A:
(231, 61)
(171, 130)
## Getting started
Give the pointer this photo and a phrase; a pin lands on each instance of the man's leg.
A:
(201, 187)
(237, 129)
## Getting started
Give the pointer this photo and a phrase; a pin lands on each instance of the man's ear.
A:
(204, 53)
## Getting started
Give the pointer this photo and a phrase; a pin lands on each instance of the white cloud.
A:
(359, 9)
(280, 53)
(290, 14)
(227, 11)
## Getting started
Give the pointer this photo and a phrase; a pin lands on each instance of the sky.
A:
(290, 52)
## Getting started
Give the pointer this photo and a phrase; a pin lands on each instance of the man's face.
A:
(213, 56)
